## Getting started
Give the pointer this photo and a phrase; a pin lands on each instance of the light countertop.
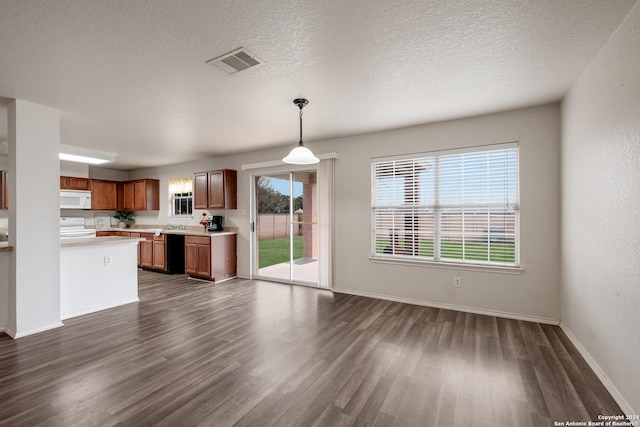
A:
(4, 247)
(111, 240)
(160, 230)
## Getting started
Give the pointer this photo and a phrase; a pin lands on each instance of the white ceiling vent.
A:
(237, 60)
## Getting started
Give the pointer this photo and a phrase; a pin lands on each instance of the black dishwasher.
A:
(175, 253)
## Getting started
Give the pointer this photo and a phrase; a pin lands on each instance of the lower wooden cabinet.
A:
(152, 252)
(145, 250)
(4, 191)
(206, 257)
(197, 256)
(159, 253)
(212, 258)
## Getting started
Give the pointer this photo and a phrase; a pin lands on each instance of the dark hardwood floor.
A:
(250, 353)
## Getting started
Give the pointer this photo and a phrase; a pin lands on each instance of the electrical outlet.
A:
(108, 260)
(457, 282)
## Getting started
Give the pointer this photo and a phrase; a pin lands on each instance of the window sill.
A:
(448, 265)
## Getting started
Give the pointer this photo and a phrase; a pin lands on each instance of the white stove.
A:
(73, 228)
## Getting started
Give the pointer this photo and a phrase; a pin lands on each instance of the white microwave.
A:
(70, 199)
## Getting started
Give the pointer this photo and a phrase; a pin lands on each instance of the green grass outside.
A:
(275, 251)
(471, 251)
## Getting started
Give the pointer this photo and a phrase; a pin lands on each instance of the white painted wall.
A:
(80, 170)
(109, 285)
(533, 293)
(97, 172)
(34, 168)
(601, 235)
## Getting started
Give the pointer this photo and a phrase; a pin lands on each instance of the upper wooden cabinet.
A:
(4, 191)
(74, 183)
(139, 195)
(215, 189)
(104, 194)
(200, 193)
(146, 195)
(125, 196)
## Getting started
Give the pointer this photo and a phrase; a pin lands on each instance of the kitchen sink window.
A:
(181, 197)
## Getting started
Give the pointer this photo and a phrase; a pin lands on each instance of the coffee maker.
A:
(215, 223)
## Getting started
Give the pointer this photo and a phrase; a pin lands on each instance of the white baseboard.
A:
(93, 310)
(465, 309)
(15, 335)
(613, 391)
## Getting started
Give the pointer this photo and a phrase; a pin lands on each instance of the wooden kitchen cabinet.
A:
(145, 250)
(200, 190)
(215, 189)
(125, 196)
(146, 194)
(104, 194)
(152, 253)
(139, 195)
(197, 256)
(4, 190)
(159, 253)
(74, 183)
(223, 257)
(212, 258)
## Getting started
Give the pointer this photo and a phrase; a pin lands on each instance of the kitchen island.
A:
(97, 273)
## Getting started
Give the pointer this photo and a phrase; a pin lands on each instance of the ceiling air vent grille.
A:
(237, 60)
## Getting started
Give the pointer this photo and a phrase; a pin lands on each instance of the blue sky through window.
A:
(282, 186)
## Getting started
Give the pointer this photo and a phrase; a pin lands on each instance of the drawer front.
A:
(198, 240)
(146, 236)
(160, 237)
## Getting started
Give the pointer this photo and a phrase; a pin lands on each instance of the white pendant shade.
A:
(301, 155)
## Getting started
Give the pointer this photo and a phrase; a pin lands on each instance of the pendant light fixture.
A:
(301, 155)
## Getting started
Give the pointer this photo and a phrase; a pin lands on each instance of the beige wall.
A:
(533, 293)
(600, 184)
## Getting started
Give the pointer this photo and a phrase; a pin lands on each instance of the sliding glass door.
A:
(286, 227)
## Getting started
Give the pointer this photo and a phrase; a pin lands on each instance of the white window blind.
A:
(180, 197)
(456, 206)
(180, 185)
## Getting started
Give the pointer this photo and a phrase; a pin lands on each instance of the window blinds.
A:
(180, 185)
(450, 206)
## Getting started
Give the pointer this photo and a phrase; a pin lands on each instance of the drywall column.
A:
(600, 204)
(34, 218)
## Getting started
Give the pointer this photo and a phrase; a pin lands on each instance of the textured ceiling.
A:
(129, 76)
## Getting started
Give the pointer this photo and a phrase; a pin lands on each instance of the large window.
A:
(457, 206)
(180, 197)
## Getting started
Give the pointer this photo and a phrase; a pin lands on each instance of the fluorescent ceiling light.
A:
(85, 155)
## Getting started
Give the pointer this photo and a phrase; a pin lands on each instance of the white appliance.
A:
(73, 228)
(75, 199)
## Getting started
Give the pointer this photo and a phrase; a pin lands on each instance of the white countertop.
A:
(160, 230)
(111, 240)
(4, 247)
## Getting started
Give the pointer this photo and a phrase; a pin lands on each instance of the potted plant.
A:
(124, 218)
